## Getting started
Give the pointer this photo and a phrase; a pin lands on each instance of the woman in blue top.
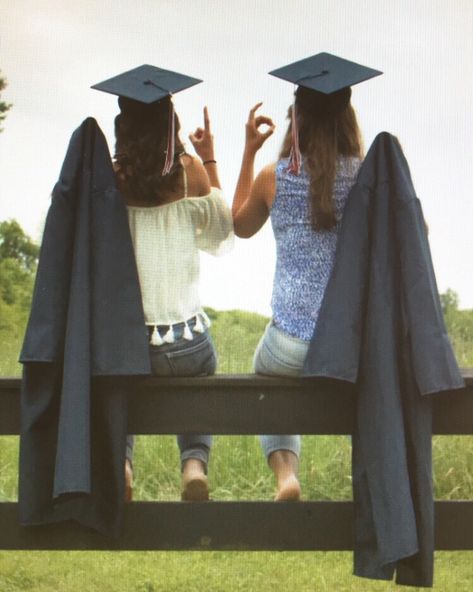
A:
(304, 196)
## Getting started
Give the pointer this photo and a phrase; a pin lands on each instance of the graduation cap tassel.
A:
(295, 158)
(170, 146)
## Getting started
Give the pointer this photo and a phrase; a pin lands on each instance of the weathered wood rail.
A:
(239, 404)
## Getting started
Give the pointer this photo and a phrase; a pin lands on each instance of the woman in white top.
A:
(172, 217)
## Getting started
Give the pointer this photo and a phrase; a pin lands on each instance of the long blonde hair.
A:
(328, 128)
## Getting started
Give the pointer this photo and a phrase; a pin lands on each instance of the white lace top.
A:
(167, 239)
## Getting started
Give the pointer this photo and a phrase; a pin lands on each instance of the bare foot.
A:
(194, 482)
(289, 489)
(284, 464)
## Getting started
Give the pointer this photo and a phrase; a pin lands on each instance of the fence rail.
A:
(239, 404)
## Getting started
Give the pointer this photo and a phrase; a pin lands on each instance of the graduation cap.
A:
(149, 84)
(323, 73)
(146, 84)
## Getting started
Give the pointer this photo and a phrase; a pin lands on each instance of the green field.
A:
(237, 472)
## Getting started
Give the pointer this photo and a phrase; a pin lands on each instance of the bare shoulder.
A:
(197, 181)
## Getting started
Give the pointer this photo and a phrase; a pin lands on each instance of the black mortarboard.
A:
(325, 73)
(149, 84)
(146, 84)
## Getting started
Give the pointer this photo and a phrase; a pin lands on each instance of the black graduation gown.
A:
(86, 321)
(381, 327)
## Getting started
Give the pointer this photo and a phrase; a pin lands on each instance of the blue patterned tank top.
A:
(304, 256)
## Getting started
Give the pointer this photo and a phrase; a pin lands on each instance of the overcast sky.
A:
(51, 51)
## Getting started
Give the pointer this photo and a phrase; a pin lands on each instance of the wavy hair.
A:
(328, 128)
(140, 150)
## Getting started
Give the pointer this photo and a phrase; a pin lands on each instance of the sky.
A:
(52, 51)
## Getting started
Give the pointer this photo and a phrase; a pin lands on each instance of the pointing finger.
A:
(253, 110)
(206, 120)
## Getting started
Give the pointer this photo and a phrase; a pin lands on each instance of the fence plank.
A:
(240, 404)
(269, 526)
(249, 404)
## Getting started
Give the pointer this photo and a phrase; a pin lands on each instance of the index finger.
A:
(253, 110)
(206, 120)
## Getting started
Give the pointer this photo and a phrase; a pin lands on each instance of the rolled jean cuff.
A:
(273, 443)
(199, 453)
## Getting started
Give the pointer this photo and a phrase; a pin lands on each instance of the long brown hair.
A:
(140, 151)
(327, 129)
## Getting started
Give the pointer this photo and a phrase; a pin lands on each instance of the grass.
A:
(80, 571)
(238, 471)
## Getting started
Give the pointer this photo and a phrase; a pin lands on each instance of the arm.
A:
(252, 199)
(203, 142)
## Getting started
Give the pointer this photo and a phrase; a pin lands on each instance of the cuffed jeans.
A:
(280, 354)
(184, 358)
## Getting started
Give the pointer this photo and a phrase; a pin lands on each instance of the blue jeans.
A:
(280, 354)
(184, 358)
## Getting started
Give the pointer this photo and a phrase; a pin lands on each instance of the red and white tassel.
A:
(170, 146)
(294, 165)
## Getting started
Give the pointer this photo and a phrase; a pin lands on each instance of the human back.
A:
(304, 254)
(171, 217)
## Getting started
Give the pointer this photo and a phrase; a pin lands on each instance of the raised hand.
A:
(203, 140)
(254, 137)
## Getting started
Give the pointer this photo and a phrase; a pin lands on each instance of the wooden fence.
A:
(240, 404)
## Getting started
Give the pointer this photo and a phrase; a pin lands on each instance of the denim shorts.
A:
(279, 354)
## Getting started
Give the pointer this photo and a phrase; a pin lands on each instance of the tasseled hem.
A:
(169, 337)
(206, 319)
(198, 327)
(202, 322)
(187, 333)
(156, 338)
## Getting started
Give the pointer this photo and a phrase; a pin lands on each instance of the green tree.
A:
(18, 259)
(449, 301)
(459, 324)
(4, 107)
(15, 244)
